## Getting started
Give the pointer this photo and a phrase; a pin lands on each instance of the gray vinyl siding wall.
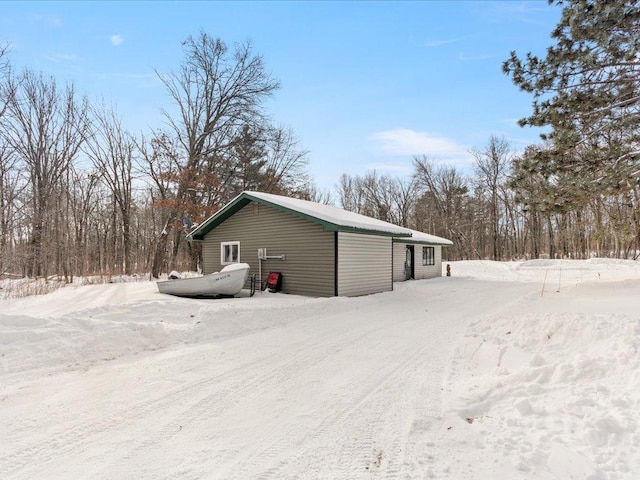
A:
(364, 264)
(434, 270)
(399, 257)
(309, 266)
(420, 271)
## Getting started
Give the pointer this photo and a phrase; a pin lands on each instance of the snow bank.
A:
(553, 395)
(555, 273)
(79, 326)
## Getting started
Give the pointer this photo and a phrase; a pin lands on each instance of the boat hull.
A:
(227, 282)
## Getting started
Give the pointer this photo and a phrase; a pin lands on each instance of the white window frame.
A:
(223, 257)
(426, 259)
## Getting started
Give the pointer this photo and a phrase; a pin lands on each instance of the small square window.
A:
(428, 256)
(229, 252)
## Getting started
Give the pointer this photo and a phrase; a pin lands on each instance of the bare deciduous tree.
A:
(445, 205)
(45, 127)
(285, 163)
(492, 166)
(215, 92)
(83, 204)
(351, 193)
(379, 196)
(12, 183)
(323, 196)
(6, 88)
(111, 149)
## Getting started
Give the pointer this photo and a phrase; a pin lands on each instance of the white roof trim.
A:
(417, 236)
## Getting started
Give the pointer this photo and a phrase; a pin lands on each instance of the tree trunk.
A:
(552, 249)
(126, 242)
(160, 249)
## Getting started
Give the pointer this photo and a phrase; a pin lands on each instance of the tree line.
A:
(575, 194)
(79, 194)
(495, 213)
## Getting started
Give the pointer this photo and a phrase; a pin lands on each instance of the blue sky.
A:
(364, 85)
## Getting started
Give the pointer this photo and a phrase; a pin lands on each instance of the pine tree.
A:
(587, 89)
(248, 160)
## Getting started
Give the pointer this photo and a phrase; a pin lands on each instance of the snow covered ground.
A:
(519, 370)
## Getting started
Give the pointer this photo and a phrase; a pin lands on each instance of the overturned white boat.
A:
(227, 282)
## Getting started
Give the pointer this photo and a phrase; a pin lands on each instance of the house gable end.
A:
(245, 198)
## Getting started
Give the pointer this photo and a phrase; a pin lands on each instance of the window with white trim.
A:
(428, 256)
(229, 252)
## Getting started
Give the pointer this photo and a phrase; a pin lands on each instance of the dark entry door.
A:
(409, 263)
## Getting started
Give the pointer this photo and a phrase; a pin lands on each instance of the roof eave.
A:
(366, 231)
(423, 242)
(217, 218)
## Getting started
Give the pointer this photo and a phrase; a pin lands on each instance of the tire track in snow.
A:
(381, 445)
(347, 413)
(78, 435)
(277, 373)
(302, 359)
(294, 440)
(369, 453)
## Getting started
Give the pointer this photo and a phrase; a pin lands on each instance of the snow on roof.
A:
(428, 238)
(330, 214)
(333, 218)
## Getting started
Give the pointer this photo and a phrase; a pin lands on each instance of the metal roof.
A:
(331, 218)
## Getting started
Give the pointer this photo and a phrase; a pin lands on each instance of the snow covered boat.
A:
(227, 282)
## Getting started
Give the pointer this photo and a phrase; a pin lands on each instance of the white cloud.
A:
(62, 57)
(512, 7)
(464, 57)
(403, 141)
(51, 20)
(390, 167)
(438, 43)
(117, 40)
(526, 12)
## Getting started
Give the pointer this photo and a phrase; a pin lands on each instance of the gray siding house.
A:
(320, 250)
(418, 257)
